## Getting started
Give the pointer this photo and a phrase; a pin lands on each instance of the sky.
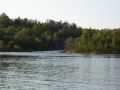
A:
(85, 13)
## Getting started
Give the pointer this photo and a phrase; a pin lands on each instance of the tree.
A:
(4, 20)
(68, 43)
(116, 41)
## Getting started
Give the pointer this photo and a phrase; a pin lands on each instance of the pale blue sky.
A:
(85, 13)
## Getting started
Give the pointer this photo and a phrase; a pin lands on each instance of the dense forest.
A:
(31, 35)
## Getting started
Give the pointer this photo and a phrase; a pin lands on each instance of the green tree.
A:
(4, 20)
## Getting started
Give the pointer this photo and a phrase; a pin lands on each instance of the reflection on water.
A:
(60, 72)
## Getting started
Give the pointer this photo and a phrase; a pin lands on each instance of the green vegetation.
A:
(96, 41)
(30, 35)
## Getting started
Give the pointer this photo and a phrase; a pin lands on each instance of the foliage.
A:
(30, 35)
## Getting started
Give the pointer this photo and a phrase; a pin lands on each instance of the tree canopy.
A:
(30, 35)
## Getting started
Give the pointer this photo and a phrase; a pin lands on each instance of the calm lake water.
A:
(59, 71)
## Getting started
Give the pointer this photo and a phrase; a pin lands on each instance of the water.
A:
(59, 71)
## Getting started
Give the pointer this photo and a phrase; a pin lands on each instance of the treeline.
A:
(30, 35)
(95, 41)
